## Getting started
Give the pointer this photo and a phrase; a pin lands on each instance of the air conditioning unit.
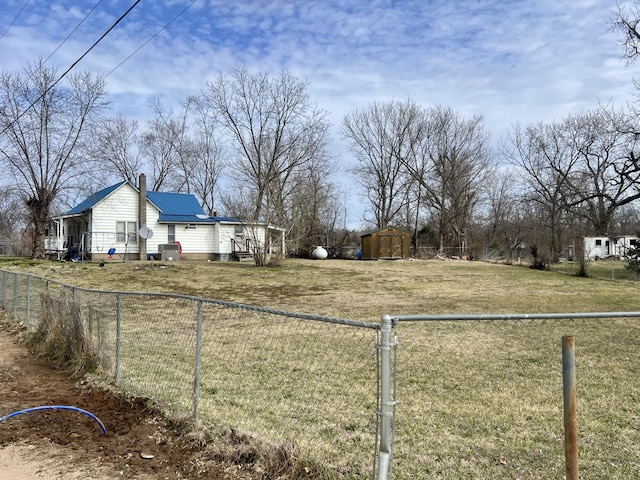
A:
(169, 252)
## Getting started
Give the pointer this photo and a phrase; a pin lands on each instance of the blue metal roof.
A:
(93, 199)
(176, 203)
(174, 207)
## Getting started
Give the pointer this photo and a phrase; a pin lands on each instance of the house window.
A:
(171, 233)
(239, 231)
(633, 242)
(121, 232)
(598, 243)
(132, 231)
(126, 232)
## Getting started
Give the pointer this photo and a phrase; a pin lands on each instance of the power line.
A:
(72, 66)
(150, 38)
(91, 47)
(15, 19)
(73, 31)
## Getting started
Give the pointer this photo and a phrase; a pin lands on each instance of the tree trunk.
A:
(39, 212)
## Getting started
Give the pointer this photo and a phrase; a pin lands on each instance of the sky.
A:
(511, 61)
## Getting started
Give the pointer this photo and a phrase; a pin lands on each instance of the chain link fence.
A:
(479, 396)
(482, 396)
(302, 383)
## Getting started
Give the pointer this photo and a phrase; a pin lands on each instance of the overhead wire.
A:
(15, 19)
(72, 65)
(149, 39)
(73, 31)
(96, 43)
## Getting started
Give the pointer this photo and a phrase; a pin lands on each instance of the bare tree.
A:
(625, 20)
(44, 127)
(451, 162)
(507, 224)
(275, 127)
(545, 160)
(602, 179)
(276, 131)
(12, 221)
(165, 148)
(382, 138)
(314, 209)
(115, 149)
(580, 171)
(206, 152)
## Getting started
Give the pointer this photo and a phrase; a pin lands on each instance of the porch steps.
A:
(244, 256)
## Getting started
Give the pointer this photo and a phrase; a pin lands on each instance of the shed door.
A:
(390, 246)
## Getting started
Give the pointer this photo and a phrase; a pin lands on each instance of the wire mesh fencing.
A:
(482, 397)
(479, 396)
(304, 382)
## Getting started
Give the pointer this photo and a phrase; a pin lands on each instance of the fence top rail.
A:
(513, 316)
(224, 303)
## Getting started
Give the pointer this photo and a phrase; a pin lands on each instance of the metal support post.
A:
(15, 296)
(387, 404)
(118, 325)
(28, 313)
(570, 416)
(196, 379)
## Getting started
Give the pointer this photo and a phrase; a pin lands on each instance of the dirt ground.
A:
(67, 444)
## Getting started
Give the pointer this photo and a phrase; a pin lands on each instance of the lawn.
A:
(477, 399)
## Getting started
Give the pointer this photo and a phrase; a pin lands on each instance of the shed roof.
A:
(384, 228)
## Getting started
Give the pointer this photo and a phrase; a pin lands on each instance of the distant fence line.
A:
(480, 395)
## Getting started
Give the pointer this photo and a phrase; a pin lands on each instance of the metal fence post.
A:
(118, 325)
(28, 313)
(570, 420)
(196, 379)
(4, 289)
(15, 296)
(386, 402)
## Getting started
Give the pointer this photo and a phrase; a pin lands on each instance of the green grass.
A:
(477, 399)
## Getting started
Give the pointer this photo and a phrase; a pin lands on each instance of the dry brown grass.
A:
(478, 400)
(358, 290)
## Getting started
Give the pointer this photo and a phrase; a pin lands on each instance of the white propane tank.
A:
(319, 253)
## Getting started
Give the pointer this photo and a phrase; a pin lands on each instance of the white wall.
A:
(617, 246)
(121, 205)
(197, 240)
(223, 235)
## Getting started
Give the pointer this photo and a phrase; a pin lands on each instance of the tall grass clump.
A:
(62, 335)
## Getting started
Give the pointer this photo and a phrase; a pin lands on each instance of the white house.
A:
(598, 247)
(124, 222)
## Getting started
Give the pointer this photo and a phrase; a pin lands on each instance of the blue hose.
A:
(56, 407)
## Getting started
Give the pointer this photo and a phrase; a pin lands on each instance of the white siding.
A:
(197, 240)
(603, 247)
(225, 233)
(121, 205)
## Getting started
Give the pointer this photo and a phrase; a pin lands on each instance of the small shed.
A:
(387, 243)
